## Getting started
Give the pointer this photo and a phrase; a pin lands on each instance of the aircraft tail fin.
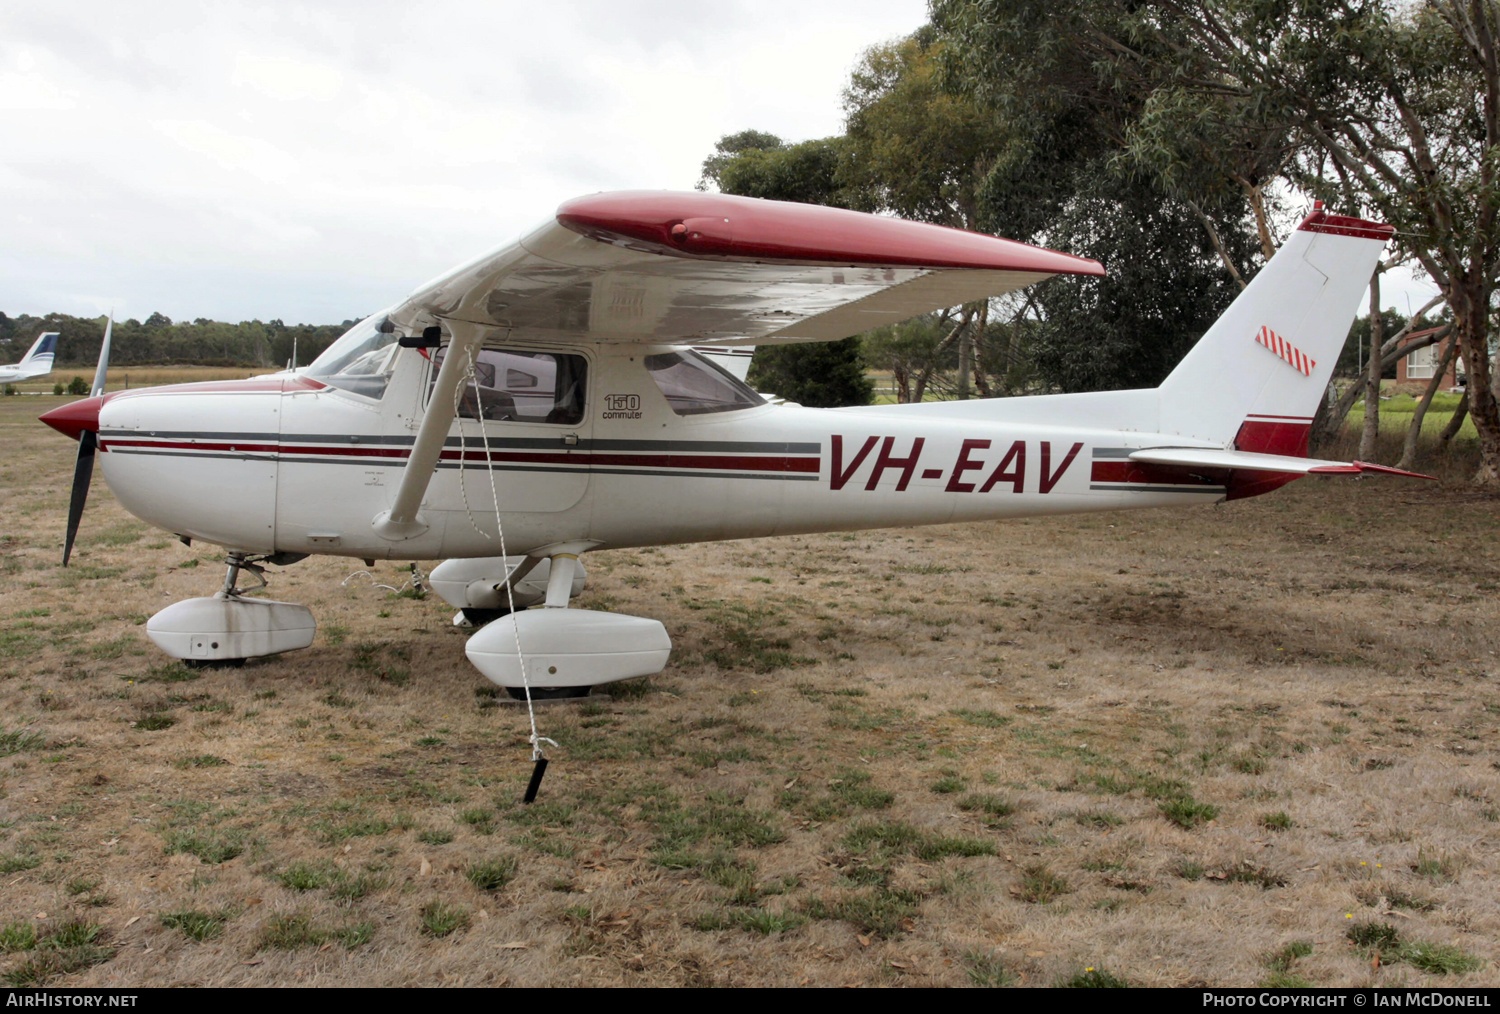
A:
(38, 360)
(1256, 378)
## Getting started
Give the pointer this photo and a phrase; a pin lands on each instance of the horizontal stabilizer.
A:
(1210, 457)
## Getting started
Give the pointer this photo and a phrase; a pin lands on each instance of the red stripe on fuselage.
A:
(714, 462)
(178, 445)
(1141, 473)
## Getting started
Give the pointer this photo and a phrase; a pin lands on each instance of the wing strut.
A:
(404, 520)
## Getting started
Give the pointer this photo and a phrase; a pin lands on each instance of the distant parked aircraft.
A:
(37, 362)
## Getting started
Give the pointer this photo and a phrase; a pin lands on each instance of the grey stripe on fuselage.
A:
(1123, 488)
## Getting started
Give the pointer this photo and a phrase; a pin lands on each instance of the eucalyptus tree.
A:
(1384, 108)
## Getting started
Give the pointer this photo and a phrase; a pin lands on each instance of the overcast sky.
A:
(315, 163)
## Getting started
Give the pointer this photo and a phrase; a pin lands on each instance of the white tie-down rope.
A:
(510, 596)
(417, 581)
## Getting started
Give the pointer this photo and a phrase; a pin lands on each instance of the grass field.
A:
(1397, 411)
(122, 378)
(1253, 744)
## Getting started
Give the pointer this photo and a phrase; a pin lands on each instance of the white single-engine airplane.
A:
(36, 363)
(545, 400)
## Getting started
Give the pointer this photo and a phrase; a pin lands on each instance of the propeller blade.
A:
(88, 443)
(103, 367)
(83, 472)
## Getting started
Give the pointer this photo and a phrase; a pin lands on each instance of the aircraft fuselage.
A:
(286, 463)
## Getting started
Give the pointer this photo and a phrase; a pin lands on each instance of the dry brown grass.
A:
(983, 754)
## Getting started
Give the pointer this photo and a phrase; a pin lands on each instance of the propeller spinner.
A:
(80, 420)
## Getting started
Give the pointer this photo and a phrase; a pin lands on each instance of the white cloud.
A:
(287, 80)
(26, 83)
(310, 162)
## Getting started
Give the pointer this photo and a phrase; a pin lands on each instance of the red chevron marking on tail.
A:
(1285, 351)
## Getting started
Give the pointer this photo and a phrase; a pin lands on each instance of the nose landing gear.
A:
(228, 628)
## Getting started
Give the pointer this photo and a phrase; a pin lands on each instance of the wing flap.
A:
(935, 290)
(1212, 457)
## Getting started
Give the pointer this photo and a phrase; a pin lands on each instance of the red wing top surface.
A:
(707, 269)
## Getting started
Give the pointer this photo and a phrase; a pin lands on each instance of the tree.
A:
(1333, 413)
(815, 374)
(913, 148)
(1165, 288)
(1382, 108)
(159, 340)
(1077, 116)
(1173, 229)
(912, 351)
(753, 163)
(918, 150)
(730, 147)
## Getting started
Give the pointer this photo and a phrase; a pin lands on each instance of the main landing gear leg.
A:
(560, 580)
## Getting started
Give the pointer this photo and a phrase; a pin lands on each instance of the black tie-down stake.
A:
(539, 769)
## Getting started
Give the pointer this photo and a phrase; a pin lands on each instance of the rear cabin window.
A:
(530, 387)
(694, 386)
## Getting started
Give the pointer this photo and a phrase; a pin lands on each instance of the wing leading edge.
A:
(712, 269)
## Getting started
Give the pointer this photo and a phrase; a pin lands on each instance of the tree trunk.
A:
(1257, 197)
(965, 362)
(981, 383)
(919, 389)
(1367, 441)
(1409, 450)
(1218, 244)
(1471, 322)
(1455, 424)
(1329, 425)
(903, 385)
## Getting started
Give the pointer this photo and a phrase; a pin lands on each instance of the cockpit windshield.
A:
(361, 361)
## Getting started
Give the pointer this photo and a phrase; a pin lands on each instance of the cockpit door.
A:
(524, 415)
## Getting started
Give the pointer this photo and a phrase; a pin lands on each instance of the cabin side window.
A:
(694, 386)
(529, 387)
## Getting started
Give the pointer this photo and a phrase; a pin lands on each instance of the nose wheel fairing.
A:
(228, 628)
